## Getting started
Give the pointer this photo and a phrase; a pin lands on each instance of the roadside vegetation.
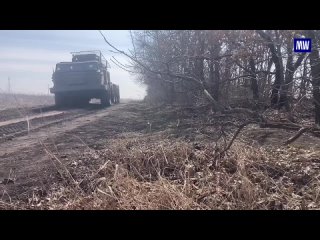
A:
(230, 121)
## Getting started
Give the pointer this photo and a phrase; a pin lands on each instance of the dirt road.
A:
(26, 158)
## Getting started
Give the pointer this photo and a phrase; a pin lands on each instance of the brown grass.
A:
(144, 173)
(14, 100)
(152, 170)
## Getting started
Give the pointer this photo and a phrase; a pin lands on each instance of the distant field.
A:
(12, 100)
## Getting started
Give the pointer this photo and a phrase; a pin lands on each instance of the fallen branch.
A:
(297, 135)
(292, 126)
(282, 125)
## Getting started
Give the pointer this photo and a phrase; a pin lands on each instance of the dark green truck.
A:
(85, 78)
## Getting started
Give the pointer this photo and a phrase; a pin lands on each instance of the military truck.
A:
(84, 78)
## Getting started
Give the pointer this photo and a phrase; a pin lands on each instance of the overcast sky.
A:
(28, 58)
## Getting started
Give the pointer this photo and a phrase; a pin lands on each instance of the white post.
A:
(28, 123)
(9, 85)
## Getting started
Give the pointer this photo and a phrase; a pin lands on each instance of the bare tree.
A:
(223, 67)
(315, 72)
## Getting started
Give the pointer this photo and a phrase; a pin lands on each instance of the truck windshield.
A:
(76, 67)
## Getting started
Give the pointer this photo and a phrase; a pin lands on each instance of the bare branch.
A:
(297, 135)
(234, 138)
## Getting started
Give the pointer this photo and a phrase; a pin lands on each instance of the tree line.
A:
(257, 67)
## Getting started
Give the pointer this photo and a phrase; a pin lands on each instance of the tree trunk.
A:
(279, 78)
(287, 96)
(254, 82)
(315, 74)
(199, 68)
(225, 83)
(215, 72)
(288, 78)
(303, 87)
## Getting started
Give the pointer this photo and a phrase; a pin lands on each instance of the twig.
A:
(233, 138)
(165, 158)
(107, 194)
(100, 169)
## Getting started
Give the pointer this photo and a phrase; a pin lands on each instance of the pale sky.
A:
(28, 57)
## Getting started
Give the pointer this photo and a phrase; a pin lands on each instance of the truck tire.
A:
(105, 100)
(112, 97)
(59, 100)
(118, 99)
(118, 95)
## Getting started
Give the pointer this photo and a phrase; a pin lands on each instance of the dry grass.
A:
(13, 100)
(141, 172)
(152, 170)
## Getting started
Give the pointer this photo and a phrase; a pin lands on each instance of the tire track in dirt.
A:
(52, 129)
(25, 157)
(13, 113)
(41, 118)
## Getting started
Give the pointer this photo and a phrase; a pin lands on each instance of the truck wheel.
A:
(105, 101)
(59, 100)
(112, 98)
